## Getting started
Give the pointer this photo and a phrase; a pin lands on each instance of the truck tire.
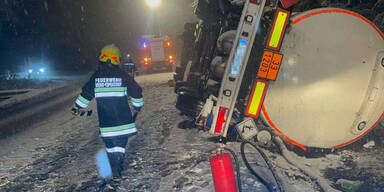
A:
(189, 104)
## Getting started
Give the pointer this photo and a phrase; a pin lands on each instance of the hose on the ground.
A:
(321, 183)
(238, 179)
(271, 187)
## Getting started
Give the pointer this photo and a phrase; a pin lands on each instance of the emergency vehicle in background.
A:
(156, 53)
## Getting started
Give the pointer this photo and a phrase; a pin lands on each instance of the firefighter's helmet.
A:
(110, 52)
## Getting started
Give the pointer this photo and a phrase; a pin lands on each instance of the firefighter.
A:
(129, 66)
(112, 86)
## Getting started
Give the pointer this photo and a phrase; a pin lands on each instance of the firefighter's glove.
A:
(75, 110)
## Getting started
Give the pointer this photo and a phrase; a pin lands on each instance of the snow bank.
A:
(35, 94)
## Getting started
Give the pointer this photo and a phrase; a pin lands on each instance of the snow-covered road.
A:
(58, 154)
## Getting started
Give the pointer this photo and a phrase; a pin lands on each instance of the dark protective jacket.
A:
(112, 88)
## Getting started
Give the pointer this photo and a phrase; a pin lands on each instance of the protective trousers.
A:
(115, 147)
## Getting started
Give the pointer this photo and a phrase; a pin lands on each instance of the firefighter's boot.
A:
(119, 162)
(114, 160)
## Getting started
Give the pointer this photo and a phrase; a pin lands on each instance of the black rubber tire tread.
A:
(189, 105)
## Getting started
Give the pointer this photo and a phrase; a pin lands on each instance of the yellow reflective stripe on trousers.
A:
(118, 130)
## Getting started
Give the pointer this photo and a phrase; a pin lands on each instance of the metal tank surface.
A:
(330, 88)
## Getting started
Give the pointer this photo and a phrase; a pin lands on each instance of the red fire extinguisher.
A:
(222, 173)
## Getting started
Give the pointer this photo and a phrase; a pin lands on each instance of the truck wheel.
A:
(189, 105)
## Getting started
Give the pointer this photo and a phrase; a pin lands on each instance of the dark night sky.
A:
(68, 35)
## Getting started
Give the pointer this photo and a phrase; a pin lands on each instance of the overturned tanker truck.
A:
(314, 78)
